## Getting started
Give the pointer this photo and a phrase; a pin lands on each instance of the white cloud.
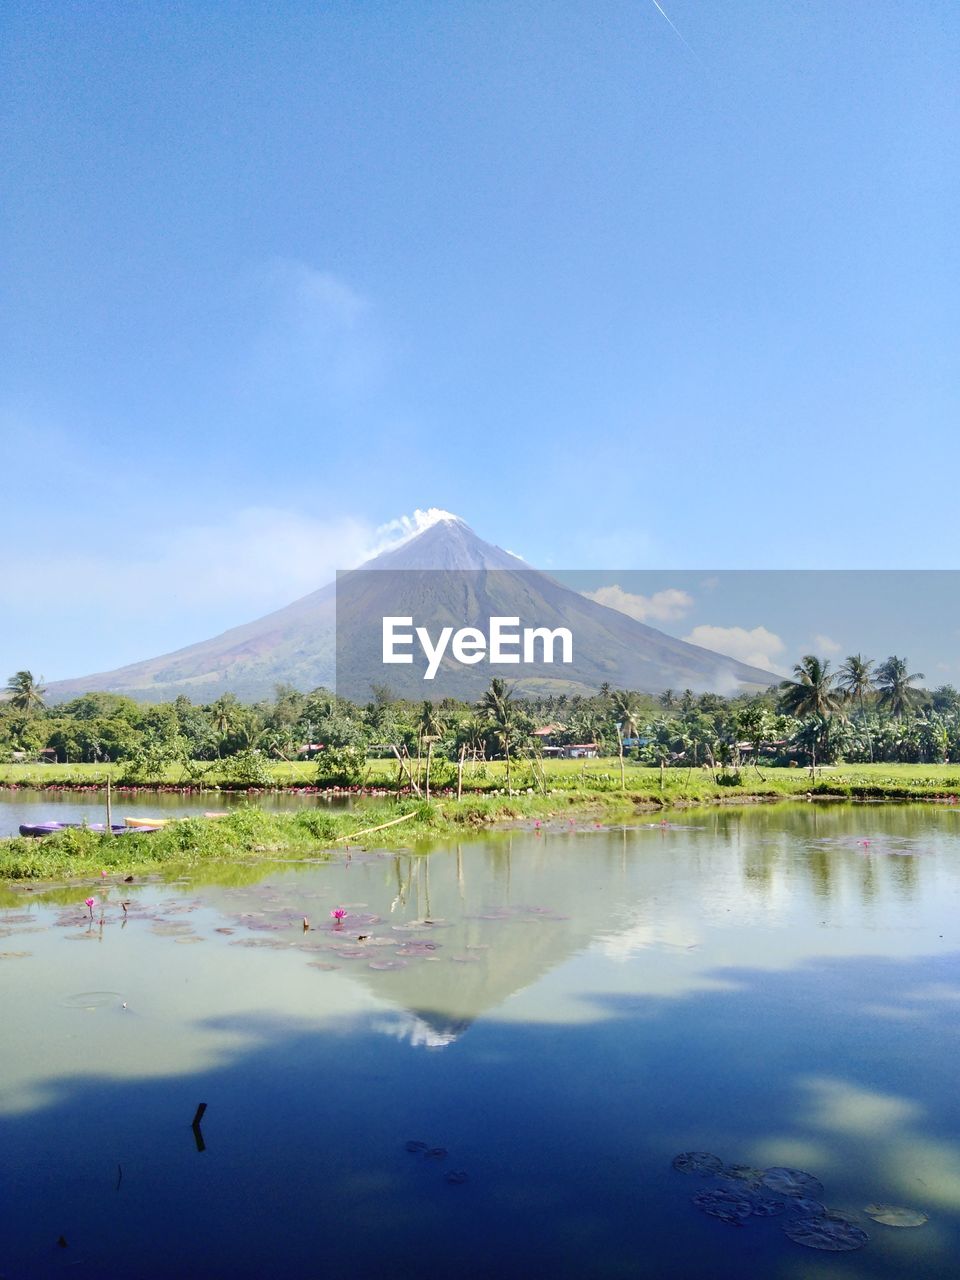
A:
(161, 590)
(663, 606)
(403, 528)
(823, 644)
(757, 647)
(257, 559)
(315, 338)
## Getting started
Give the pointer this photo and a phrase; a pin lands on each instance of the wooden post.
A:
(109, 809)
(429, 757)
(460, 771)
(403, 766)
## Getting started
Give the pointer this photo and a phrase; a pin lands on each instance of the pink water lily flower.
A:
(338, 915)
(90, 904)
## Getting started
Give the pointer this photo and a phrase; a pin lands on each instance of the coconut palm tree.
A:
(855, 678)
(498, 708)
(661, 741)
(813, 696)
(224, 715)
(893, 684)
(813, 691)
(626, 716)
(25, 692)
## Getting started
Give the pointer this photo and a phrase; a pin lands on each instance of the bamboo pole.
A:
(365, 831)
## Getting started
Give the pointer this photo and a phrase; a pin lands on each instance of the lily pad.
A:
(742, 1173)
(831, 1232)
(894, 1215)
(171, 928)
(457, 1177)
(701, 1162)
(792, 1182)
(725, 1205)
(92, 1000)
(768, 1206)
(416, 1145)
(416, 948)
(807, 1207)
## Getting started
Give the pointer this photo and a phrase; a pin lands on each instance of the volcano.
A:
(299, 644)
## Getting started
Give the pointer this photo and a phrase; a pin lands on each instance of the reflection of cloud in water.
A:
(623, 944)
(417, 1031)
(838, 1106)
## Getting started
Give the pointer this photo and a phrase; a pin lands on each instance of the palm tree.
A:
(662, 736)
(626, 715)
(894, 683)
(497, 706)
(856, 679)
(812, 693)
(25, 692)
(225, 714)
(811, 696)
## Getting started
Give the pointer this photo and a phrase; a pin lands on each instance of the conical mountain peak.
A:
(297, 644)
(446, 542)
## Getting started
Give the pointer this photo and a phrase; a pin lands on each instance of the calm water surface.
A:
(28, 804)
(561, 1012)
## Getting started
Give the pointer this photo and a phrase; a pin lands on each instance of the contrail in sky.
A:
(676, 32)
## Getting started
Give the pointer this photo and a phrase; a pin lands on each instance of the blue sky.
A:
(276, 275)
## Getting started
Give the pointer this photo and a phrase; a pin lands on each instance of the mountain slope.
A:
(296, 644)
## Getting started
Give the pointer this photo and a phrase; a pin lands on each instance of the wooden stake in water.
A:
(195, 1126)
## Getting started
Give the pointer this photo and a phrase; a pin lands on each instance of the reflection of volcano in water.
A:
(433, 943)
(447, 938)
(499, 925)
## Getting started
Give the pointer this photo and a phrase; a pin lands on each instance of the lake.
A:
(490, 1067)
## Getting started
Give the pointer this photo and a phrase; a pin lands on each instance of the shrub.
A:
(342, 767)
(247, 769)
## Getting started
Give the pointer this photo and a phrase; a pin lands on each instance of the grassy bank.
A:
(252, 833)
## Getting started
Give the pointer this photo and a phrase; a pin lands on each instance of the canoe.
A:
(153, 823)
(48, 828)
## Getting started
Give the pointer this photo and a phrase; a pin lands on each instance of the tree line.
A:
(862, 711)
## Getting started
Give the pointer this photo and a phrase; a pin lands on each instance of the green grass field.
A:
(578, 777)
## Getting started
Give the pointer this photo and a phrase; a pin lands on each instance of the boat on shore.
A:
(49, 828)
